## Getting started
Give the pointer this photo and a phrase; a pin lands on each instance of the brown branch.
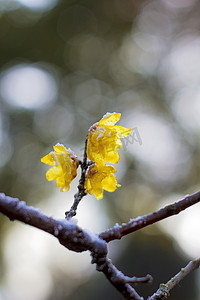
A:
(73, 238)
(163, 291)
(117, 278)
(117, 232)
(69, 234)
(76, 239)
(81, 187)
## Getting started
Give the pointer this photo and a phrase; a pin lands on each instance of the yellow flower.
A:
(65, 164)
(104, 139)
(99, 179)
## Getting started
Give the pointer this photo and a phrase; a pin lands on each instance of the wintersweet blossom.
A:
(104, 139)
(65, 164)
(101, 178)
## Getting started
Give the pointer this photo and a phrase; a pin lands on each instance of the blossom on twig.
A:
(101, 146)
(65, 164)
(101, 178)
(104, 139)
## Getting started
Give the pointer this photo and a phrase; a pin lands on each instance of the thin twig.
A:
(117, 232)
(146, 279)
(81, 187)
(163, 291)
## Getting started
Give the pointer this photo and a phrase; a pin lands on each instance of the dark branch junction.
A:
(76, 239)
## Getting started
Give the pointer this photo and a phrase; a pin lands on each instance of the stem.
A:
(163, 291)
(81, 187)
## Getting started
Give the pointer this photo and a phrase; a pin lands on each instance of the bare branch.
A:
(81, 187)
(117, 232)
(69, 234)
(74, 238)
(163, 291)
(146, 279)
(118, 279)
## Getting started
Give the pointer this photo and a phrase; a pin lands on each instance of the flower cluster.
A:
(65, 164)
(102, 145)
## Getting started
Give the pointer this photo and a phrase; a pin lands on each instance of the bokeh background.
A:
(63, 65)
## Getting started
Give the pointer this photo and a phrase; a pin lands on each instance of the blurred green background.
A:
(63, 65)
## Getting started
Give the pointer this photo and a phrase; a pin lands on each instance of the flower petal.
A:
(110, 169)
(60, 148)
(98, 194)
(49, 159)
(88, 186)
(110, 183)
(122, 131)
(53, 173)
(110, 119)
(112, 157)
(65, 188)
(60, 181)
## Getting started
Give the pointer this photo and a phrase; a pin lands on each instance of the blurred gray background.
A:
(63, 65)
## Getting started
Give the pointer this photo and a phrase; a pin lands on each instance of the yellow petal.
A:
(112, 157)
(88, 186)
(111, 143)
(122, 131)
(60, 148)
(65, 188)
(110, 169)
(109, 183)
(60, 181)
(49, 159)
(98, 193)
(99, 161)
(94, 185)
(53, 173)
(110, 119)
